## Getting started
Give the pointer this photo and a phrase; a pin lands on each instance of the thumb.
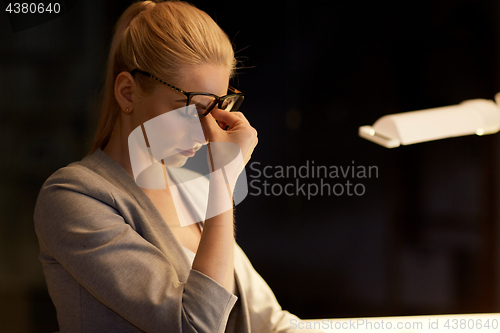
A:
(226, 117)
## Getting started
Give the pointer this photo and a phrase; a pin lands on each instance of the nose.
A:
(199, 138)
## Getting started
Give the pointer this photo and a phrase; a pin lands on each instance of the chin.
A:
(175, 161)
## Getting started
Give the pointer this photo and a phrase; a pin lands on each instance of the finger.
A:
(209, 126)
(242, 117)
(230, 118)
(239, 114)
(222, 125)
(256, 141)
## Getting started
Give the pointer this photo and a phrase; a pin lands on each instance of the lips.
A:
(189, 152)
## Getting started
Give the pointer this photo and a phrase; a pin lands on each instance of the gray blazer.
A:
(112, 264)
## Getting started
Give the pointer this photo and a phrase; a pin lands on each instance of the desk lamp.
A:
(477, 116)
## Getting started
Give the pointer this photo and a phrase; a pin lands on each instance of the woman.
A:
(116, 256)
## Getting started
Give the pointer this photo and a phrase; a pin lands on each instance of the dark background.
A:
(421, 240)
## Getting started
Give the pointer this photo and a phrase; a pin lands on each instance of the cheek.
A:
(153, 105)
(170, 131)
(181, 128)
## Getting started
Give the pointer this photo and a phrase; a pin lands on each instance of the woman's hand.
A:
(215, 255)
(239, 130)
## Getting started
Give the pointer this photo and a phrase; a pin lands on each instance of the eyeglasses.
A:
(204, 102)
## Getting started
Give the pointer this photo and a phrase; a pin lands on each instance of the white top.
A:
(190, 254)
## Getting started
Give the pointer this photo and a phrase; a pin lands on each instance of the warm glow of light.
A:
(477, 116)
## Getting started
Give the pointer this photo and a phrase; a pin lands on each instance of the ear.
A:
(125, 91)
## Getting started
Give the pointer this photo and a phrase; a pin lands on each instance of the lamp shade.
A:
(478, 116)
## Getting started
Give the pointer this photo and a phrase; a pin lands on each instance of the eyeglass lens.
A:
(205, 104)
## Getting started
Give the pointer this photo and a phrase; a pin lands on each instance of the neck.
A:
(117, 147)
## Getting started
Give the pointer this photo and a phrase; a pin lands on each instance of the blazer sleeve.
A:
(78, 226)
(265, 313)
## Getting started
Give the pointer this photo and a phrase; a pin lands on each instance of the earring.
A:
(127, 110)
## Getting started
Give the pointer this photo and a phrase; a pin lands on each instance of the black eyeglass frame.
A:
(218, 99)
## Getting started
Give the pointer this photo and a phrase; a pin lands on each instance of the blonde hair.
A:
(162, 38)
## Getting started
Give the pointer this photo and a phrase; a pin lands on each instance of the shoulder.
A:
(97, 176)
(74, 188)
(77, 177)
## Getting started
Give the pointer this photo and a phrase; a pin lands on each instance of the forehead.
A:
(212, 79)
